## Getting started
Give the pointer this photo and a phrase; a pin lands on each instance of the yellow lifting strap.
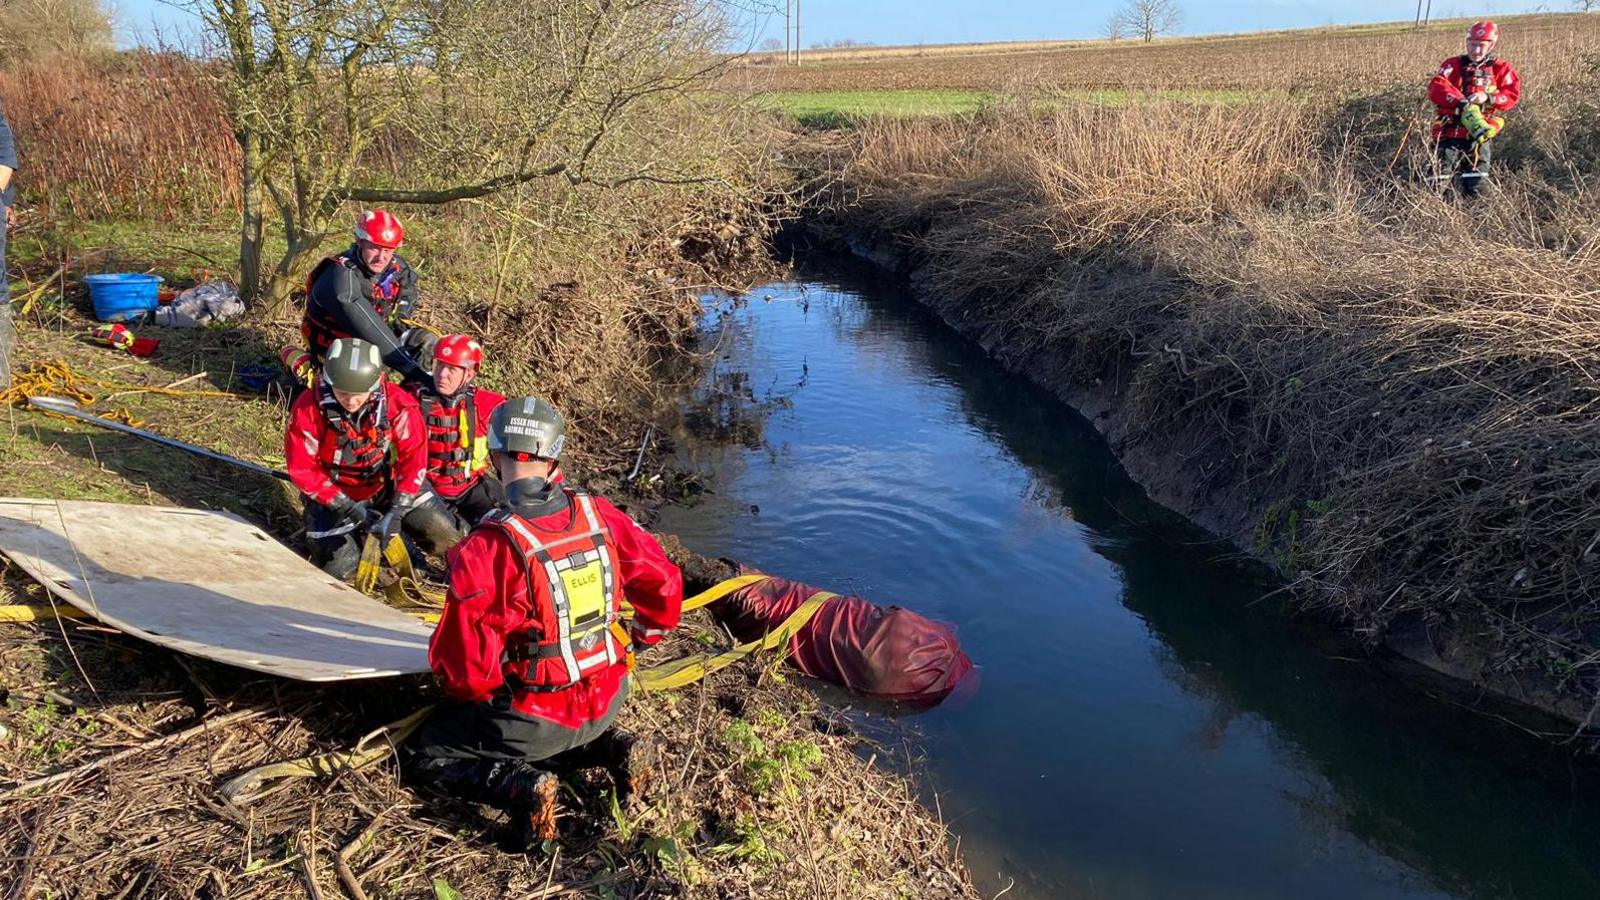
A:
(406, 589)
(690, 669)
(374, 746)
(38, 612)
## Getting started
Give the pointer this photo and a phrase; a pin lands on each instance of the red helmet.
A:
(380, 227)
(459, 350)
(1485, 31)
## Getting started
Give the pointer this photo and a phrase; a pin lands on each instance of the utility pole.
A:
(791, 32)
(1418, 23)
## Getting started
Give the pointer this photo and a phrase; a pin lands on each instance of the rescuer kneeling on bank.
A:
(356, 450)
(530, 648)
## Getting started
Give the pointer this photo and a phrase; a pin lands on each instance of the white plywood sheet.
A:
(209, 584)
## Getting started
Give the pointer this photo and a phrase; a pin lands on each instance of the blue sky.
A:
(946, 21)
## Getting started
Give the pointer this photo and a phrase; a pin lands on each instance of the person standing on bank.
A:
(530, 650)
(8, 195)
(1471, 94)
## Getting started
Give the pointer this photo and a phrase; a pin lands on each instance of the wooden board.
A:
(209, 584)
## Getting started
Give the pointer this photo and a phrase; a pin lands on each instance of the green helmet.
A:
(353, 366)
(528, 425)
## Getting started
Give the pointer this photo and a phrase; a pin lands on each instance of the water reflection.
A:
(1143, 729)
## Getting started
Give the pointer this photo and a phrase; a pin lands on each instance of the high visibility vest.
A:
(320, 327)
(457, 454)
(358, 455)
(574, 598)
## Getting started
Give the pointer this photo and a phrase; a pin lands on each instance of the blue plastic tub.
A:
(122, 295)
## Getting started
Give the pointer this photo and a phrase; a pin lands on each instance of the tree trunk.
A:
(252, 226)
(278, 293)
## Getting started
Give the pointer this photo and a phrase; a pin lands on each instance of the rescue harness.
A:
(574, 595)
(358, 456)
(457, 454)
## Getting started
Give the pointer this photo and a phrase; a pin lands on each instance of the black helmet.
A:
(353, 366)
(528, 425)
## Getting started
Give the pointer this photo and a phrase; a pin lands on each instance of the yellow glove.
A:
(1480, 128)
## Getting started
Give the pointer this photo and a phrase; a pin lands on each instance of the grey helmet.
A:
(528, 425)
(353, 366)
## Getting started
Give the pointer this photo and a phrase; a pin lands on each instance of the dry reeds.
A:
(137, 135)
(1329, 63)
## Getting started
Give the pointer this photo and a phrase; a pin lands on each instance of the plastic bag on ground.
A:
(214, 301)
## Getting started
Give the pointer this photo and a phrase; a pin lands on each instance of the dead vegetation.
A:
(756, 791)
(1389, 394)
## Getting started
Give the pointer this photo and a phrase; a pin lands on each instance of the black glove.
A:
(356, 512)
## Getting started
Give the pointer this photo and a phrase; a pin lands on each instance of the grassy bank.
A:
(583, 294)
(759, 790)
(1387, 394)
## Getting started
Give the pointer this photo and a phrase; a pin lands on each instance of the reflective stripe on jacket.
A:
(326, 458)
(458, 431)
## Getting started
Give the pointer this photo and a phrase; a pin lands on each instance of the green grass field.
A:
(824, 109)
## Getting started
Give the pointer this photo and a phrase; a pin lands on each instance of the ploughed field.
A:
(1334, 62)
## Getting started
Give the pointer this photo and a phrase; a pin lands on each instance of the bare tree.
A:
(434, 101)
(1148, 19)
(36, 30)
(1586, 5)
(771, 45)
(1115, 29)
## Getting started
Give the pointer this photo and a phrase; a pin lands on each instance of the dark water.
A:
(1143, 728)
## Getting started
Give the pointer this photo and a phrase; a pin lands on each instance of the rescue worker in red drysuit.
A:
(529, 648)
(1471, 93)
(367, 292)
(455, 413)
(355, 449)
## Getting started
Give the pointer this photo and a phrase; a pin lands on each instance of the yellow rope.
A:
(55, 378)
(681, 672)
(374, 746)
(38, 612)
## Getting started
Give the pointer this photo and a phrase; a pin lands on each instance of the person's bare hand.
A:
(11, 217)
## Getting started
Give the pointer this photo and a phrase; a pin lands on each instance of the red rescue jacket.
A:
(1458, 78)
(330, 452)
(458, 432)
(506, 627)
